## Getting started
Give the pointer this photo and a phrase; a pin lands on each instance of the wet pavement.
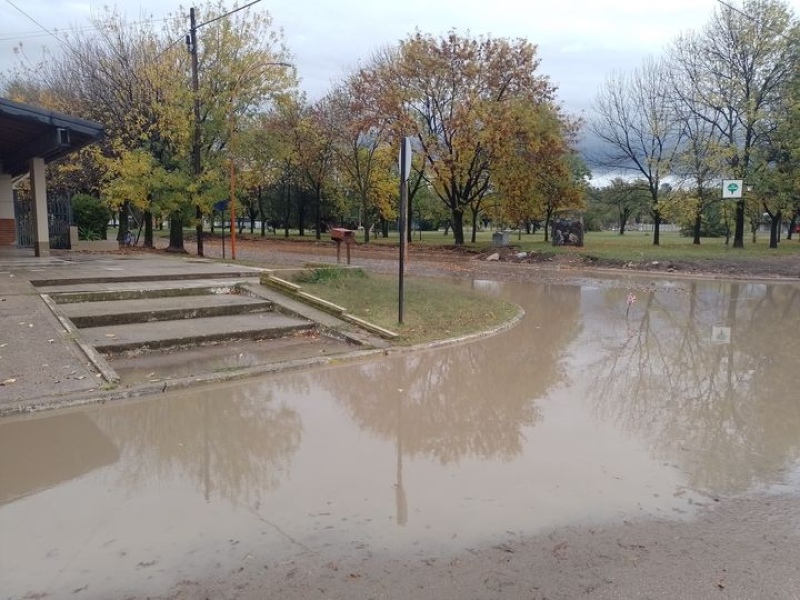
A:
(611, 402)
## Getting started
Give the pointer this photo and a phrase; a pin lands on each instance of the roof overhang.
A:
(28, 131)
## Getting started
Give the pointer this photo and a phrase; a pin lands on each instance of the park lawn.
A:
(432, 309)
(598, 245)
(609, 245)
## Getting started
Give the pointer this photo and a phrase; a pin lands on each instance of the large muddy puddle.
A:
(610, 401)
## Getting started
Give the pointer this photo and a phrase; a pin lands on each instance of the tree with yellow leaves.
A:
(455, 97)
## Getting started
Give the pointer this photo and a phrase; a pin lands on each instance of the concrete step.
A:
(106, 279)
(119, 312)
(69, 294)
(183, 333)
(236, 356)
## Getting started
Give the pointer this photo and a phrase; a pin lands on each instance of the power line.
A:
(235, 10)
(7, 37)
(24, 35)
(39, 25)
(754, 19)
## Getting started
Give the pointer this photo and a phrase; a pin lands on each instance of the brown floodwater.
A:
(611, 401)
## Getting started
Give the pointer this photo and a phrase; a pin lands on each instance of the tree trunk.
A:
(698, 224)
(774, 228)
(319, 213)
(288, 208)
(148, 229)
(176, 233)
(738, 234)
(365, 221)
(199, 230)
(656, 227)
(458, 227)
(474, 236)
(548, 217)
(301, 214)
(124, 212)
(261, 212)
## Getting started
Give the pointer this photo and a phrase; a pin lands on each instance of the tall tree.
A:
(699, 163)
(452, 95)
(360, 145)
(634, 118)
(134, 77)
(734, 73)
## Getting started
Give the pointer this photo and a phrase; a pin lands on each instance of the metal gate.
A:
(59, 218)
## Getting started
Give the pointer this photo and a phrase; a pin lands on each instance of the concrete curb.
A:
(160, 387)
(99, 363)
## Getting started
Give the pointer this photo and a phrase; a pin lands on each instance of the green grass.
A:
(432, 309)
(605, 245)
(634, 245)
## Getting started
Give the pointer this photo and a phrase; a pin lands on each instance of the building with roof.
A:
(30, 137)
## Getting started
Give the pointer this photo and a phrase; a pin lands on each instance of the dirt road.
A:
(460, 262)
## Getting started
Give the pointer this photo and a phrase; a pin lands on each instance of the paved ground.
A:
(44, 363)
(40, 362)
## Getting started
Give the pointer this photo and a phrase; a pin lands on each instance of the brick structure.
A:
(8, 233)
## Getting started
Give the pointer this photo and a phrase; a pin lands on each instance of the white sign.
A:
(720, 335)
(405, 169)
(732, 188)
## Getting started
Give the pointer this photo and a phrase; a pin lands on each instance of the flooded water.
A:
(610, 401)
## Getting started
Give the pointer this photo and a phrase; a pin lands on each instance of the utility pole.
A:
(196, 166)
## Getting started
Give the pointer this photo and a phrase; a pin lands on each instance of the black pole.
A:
(403, 202)
(196, 167)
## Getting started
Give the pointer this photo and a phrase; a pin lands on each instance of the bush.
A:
(91, 215)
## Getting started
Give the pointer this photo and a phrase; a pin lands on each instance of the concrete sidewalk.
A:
(39, 359)
(46, 363)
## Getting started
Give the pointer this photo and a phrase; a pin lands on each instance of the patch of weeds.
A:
(329, 275)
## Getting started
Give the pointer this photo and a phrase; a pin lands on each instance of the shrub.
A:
(91, 215)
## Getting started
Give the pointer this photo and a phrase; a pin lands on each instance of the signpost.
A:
(732, 189)
(405, 171)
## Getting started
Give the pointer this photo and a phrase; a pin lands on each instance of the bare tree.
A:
(700, 161)
(634, 118)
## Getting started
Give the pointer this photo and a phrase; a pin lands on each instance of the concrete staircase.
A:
(121, 319)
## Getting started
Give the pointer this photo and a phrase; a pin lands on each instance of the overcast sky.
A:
(580, 41)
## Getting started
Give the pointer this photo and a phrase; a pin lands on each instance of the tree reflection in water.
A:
(727, 411)
(233, 441)
(472, 399)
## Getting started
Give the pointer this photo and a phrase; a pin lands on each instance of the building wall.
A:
(8, 230)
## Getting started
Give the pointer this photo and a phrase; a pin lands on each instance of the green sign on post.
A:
(731, 188)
